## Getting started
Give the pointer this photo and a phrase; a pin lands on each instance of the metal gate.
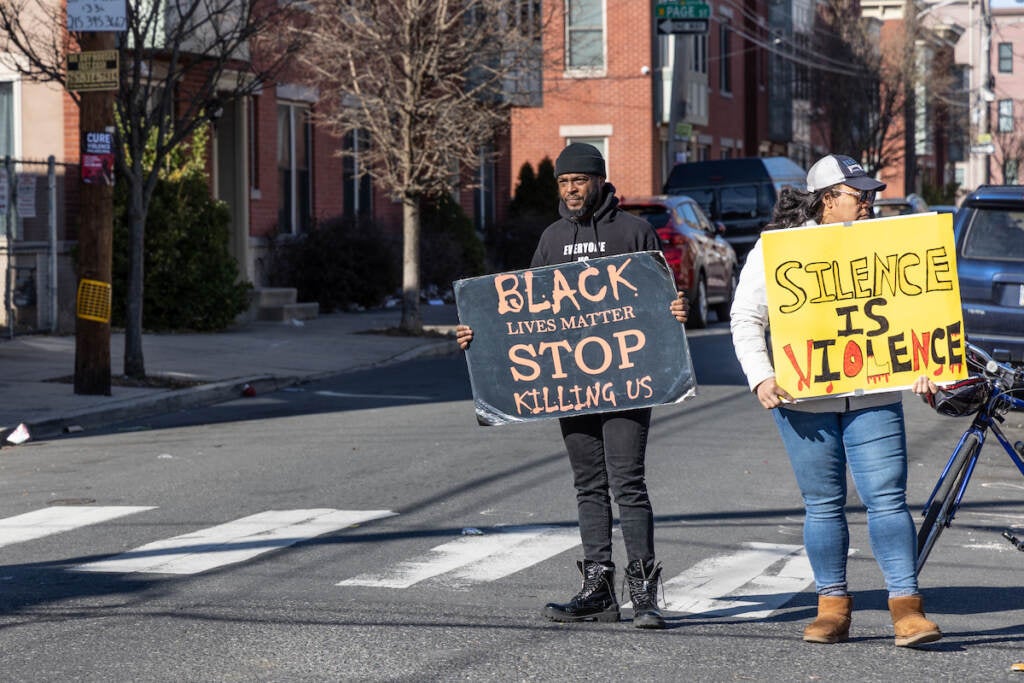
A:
(35, 246)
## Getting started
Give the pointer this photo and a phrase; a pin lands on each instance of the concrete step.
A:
(293, 311)
(263, 297)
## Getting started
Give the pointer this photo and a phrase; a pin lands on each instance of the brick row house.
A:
(278, 173)
(648, 100)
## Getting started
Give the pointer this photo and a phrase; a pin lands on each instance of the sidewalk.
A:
(265, 355)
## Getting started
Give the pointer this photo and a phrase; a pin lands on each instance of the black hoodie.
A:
(609, 232)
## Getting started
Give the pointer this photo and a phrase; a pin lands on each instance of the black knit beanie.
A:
(579, 157)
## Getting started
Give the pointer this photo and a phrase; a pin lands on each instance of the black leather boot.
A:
(642, 579)
(596, 599)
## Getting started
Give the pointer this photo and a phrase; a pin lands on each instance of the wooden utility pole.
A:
(95, 242)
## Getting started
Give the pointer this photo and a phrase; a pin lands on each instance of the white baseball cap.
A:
(836, 169)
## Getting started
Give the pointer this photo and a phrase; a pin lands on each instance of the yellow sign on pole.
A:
(94, 301)
(864, 307)
(89, 71)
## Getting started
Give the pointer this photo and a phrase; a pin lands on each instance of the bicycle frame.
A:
(942, 505)
(983, 422)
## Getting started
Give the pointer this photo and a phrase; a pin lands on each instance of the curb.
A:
(172, 400)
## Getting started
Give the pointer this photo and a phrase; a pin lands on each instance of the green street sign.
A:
(682, 10)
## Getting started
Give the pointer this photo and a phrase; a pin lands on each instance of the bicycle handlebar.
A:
(980, 358)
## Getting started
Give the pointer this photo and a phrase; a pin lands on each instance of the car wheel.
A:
(722, 310)
(698, 315)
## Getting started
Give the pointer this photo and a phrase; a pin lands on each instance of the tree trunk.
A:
(134, 364)
(411, 322)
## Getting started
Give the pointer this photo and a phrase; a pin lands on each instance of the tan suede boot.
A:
(833, 622)
(909, 622)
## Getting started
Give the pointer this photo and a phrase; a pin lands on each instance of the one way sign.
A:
(673, 26)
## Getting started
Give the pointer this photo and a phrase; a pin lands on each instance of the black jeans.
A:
(606, 451)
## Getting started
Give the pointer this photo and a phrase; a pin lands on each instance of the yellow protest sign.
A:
(864, 307)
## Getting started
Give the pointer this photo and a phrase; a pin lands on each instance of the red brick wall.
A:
(727, 110)
(623, 99)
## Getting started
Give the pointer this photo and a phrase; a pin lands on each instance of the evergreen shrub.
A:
(190, 279)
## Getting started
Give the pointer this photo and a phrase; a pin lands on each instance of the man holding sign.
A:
(606, 449)
(833, 389)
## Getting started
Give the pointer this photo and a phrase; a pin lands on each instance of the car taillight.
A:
(671, 238)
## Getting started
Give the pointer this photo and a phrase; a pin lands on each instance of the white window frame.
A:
(725, 85)
(1005, 122)
(294, 226)
(9, 75)
(587, 71)
(1007, 59)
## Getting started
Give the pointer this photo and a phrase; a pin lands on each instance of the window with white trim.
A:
(6, 119)
(357, 186)
(1006, 58)
(294, 137)
(584, 35)
(483, 194)
(1005, 116)
(700, 53)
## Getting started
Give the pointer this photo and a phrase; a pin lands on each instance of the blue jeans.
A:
(873, 442)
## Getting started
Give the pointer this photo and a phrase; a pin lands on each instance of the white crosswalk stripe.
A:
(58, 519)
(749, 583)
(740, 584)
(477, 559)
(232, 542)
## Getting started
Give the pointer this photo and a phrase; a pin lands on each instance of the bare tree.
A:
(871, 112)
(180, 60)
(429, 83)
(856, 113)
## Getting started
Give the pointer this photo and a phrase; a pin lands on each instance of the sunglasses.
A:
(863, 197)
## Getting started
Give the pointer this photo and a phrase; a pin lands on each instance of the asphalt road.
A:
(376, 533)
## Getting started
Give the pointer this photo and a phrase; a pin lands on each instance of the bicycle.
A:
(988, 397)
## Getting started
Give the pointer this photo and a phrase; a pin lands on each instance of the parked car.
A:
(989, 234)
(740, 193)
(703, 262)
(943, 208)
(899, 206)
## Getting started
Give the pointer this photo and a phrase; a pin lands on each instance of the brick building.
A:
(648, 100)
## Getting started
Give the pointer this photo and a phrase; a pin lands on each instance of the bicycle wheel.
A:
(937, 516)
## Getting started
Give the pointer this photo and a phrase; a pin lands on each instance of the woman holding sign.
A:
(823, 436)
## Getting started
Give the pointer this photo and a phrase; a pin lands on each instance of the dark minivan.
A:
(739, 193)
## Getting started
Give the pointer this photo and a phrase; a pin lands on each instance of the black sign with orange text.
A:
(582, 337)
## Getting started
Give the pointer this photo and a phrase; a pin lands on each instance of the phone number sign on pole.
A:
(97, 15)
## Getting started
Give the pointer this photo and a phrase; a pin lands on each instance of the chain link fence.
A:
(37, 239)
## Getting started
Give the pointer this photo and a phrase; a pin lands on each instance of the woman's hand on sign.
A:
(771, 395)
(463, 335)
(924, 386)
(680, 307)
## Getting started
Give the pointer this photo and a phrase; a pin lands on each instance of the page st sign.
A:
(682, 17)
